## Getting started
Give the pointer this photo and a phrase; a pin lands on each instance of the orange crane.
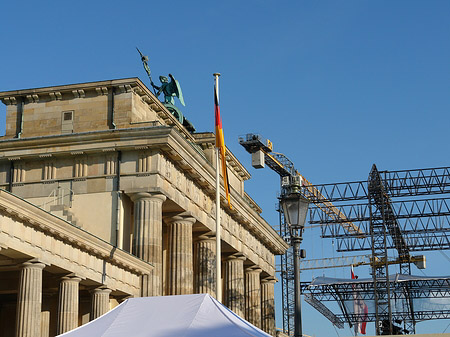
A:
(262, 153)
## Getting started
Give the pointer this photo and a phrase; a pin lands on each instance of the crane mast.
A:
(262, 153)
(405, 211)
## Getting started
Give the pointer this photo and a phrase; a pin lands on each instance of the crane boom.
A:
(262, 154)
(279, 163)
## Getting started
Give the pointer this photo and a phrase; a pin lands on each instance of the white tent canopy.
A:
(165, 316)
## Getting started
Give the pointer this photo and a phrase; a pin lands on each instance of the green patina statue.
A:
(170, 90)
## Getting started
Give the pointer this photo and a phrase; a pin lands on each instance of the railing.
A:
(58, 197)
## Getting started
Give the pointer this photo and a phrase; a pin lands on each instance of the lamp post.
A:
(295, 209)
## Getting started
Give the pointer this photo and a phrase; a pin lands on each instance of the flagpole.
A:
(218, 246)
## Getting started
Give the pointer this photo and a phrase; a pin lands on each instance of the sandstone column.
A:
(48, 298)
(147, 243)
(253, 295)
(234, 284)
(180, 261)
(68, 304)
(205, 264)
(99, 302)
(45, 323)
(29, 300)
(268, 305)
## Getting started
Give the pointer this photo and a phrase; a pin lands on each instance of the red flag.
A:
(220, 144)
(359, 307)
(364, 321)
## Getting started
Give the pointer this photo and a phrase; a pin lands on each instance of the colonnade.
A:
(191, 264)
(32, 321)
(189, 268)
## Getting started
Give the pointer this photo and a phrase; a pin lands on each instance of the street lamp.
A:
(295, 209)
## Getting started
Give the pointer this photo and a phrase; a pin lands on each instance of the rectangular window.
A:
(67, 115)
(67, 122)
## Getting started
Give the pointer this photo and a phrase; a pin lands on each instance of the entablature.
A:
(161, 138)
(207, 141)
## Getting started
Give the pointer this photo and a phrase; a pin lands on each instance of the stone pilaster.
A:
(253, 296)
(99, 302)
(234, 284)
(147, 243)
(29, 300)
(205, 265)
(180, 262)
(68, 304)
(268, 305)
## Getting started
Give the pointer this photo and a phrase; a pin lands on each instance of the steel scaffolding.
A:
(405, 211)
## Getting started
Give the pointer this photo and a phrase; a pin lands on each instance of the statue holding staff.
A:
(170, 90)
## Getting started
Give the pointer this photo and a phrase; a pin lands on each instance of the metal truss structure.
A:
(278, 162)
(422, 291)
(287, 279)
(405, 211)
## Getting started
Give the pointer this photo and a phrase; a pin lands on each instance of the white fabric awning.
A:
(198, 315)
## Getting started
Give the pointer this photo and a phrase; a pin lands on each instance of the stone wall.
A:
(111, 172)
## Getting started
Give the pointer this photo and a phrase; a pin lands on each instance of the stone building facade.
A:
(105, 195)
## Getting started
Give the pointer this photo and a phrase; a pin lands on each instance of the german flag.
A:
(220, 143)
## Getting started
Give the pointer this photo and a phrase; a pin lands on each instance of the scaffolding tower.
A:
(403, 211)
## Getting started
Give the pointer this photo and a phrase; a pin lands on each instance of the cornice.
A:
(167, 140)
(98, 88)
(242, 211)
(208, 140)
(252, 203)
(76, 89)
(79, 143)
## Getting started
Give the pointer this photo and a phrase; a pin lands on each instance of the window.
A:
(67, 115)
(67, 122)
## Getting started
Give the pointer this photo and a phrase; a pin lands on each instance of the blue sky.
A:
(335, 85)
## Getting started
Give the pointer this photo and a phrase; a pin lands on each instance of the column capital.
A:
(236, 256)
(147, 195)
(253, 269)
(100, 290)
(209, 236)
(33, 264)
(270, 279)
(184, 217)
(71, 277)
